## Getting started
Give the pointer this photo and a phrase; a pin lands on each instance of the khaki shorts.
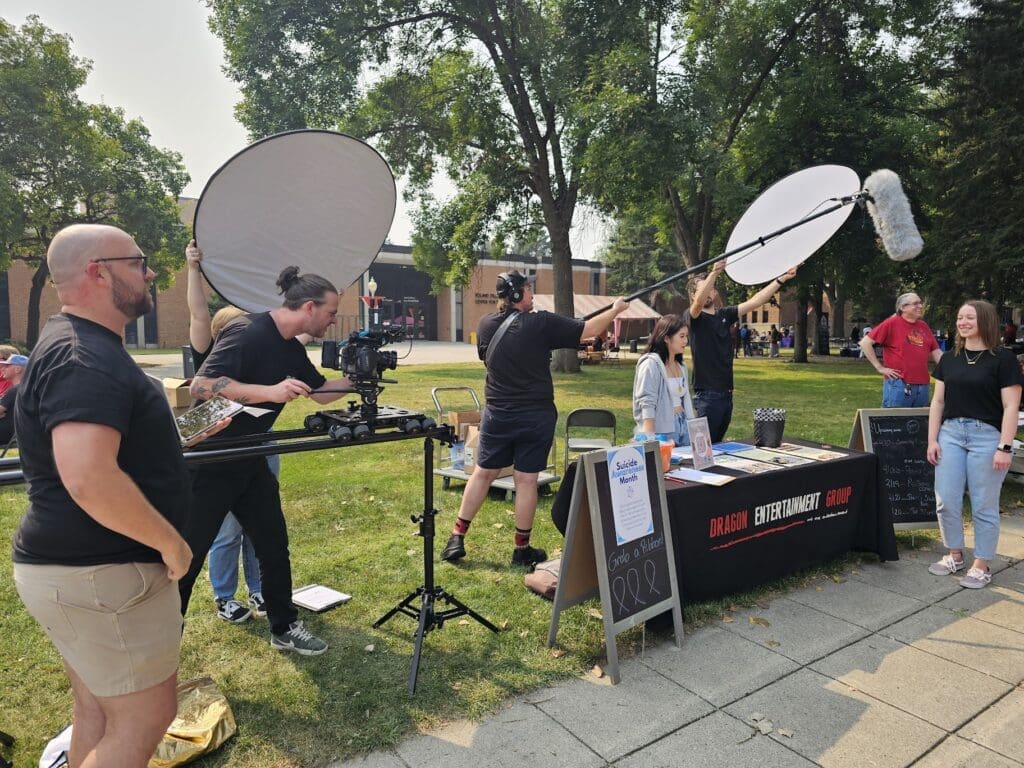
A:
(118, 626)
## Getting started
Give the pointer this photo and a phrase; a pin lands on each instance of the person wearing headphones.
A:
(517, 426)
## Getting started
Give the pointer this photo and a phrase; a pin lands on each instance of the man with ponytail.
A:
(257, 360)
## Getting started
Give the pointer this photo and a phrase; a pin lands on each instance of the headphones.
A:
(512, 288)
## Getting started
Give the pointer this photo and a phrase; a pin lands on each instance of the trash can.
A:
(769, 424)
(188, 367)
(472, 338)
(634, 346)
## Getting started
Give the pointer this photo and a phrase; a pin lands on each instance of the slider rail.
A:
(218, 449)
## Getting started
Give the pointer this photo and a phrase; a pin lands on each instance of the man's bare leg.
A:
(135, 723)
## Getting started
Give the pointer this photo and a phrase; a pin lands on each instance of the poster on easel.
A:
(899, 437)
(618, 545)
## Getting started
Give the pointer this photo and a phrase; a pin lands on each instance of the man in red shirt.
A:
(907, 345)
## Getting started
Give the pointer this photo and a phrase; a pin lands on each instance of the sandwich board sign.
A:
(618, 544)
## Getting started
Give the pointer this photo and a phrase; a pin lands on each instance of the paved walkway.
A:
(887, 666)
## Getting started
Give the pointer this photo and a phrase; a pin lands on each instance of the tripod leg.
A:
(425, 625)
(465, 609)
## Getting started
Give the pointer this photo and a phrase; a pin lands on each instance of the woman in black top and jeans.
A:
(971, 424)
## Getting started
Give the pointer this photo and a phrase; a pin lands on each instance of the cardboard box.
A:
(460, 421)
(472, 442)
(177, 392)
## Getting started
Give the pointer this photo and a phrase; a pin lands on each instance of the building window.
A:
(595, 283)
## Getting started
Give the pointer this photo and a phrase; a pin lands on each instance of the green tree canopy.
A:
(493, 95)
(975, 248)
(63, 161)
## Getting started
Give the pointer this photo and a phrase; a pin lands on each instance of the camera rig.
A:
(361, 359)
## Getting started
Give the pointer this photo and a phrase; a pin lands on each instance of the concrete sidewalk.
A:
(887, 666)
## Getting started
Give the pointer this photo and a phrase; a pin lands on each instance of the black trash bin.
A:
(769, 424)
(188, 366)
(634, 345)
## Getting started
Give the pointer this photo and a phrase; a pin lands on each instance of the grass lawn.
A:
(348, 513)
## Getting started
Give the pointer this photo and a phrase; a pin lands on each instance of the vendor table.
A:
(760, 527)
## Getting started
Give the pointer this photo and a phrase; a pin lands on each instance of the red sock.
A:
(461, 526)
(523, 538)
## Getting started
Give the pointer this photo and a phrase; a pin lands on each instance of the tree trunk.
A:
(563, 360)
(35, 294)
(837, 298)
(800, 330)
(819, 344)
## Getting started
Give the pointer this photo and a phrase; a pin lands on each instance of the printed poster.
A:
(700, 441)
(631, 500)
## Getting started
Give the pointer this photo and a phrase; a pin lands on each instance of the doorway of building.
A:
(406, 300)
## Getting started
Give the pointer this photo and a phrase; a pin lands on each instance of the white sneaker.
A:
(946, 566)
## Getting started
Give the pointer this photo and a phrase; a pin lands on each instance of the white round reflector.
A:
(320, 200)
(787, 201)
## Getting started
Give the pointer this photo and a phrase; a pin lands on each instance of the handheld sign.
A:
(899, 437)
(618, 544)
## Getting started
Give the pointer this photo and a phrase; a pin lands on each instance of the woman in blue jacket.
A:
(661, 387)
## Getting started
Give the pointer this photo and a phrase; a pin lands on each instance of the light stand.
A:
(427, 616)
(373, 302)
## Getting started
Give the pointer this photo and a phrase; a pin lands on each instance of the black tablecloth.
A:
(761, 527)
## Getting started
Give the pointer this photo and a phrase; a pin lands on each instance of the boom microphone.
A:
(890, 212)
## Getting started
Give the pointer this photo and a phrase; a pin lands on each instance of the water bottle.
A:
(458, 455)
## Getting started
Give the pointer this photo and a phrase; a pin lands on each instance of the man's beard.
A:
(129, 304)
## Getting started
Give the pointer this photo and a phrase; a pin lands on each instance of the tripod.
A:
(427, 615)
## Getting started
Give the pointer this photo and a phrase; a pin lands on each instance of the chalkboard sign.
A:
(618, 544)
(899, 437)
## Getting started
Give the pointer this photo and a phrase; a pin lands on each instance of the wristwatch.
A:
(780, 282)
(1005, 448)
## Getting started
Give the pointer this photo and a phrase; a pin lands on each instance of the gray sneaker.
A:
(976, 579)
(946, 566)
(298, 639)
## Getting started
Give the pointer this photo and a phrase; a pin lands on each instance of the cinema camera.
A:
(361, 359)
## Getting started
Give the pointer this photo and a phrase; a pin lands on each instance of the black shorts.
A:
(520, 438)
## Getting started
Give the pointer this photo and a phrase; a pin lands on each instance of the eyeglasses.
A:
(143, 259)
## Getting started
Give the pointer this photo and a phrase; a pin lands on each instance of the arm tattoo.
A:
(221, 384)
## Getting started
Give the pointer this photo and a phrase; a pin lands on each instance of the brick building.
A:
(403, 293)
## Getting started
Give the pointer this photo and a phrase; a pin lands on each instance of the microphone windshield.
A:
(890, 211)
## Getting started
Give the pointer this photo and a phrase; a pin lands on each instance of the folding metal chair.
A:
(589, 419)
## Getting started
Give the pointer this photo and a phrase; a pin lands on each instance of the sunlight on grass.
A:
(349, 524)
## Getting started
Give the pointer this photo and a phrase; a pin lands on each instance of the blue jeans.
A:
(898, 394)
(682, 434)
(968, 446)
(717, 406)
(223, 557)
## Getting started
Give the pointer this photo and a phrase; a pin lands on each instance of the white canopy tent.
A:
(634, 323)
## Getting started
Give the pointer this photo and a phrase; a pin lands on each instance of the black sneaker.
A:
(258, 605)
(455, 548)
(233, 611)
(528, 556)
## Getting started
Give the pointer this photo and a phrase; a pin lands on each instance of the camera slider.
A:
(352, 423)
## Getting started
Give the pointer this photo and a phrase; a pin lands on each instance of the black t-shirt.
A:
(81, 372)
(973, 391)
(198, 358)
(712, 346)
(7, 400)
(519, 372)
(251, 350)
